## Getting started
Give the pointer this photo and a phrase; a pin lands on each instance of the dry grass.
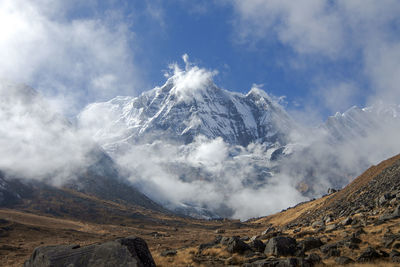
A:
(184, 257)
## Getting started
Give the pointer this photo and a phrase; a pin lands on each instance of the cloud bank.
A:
(76, 59)
(36, 142)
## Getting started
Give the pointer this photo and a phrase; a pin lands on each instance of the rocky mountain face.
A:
(163, 113)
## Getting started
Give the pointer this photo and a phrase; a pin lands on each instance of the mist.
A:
(74, 62)
(37, 142)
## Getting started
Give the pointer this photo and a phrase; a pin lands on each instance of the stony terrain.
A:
(356, 225)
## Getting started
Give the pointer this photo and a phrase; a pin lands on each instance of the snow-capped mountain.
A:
(359, 122)
(212, 145)
(170, 112)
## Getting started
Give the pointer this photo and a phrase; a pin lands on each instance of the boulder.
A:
(169, 253)
(283, 262)
(389, 216)
(211, 244)
(331, 191)
(268, 230)
(257, 245)
(310, 243)
(342, 260)
(131, 251)
(347, 221)
(317, 224)
(236, 245)
(369, 254)
(330, 250)
(395, 256)
(281, 246)
(313, 259)
(220, 231)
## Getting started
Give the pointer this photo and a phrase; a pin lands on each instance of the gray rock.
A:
(245, 238)
(284, 262)
(313, 258)
(236, 245)
(394, 256)
(268, 230)
(310, 243)
(389, 216)
(347, 221)
(257, 245)
(331, 227)
(342, 260)
(129, 252)
(369, 254)
(330, 250)
(281, 246)
(169, 253)
(384, 199)
(225, 240)
(331, 191)
(219, 231)
(317, 224)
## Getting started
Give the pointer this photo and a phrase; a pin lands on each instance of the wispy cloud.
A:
(83, 59)
(334, 31)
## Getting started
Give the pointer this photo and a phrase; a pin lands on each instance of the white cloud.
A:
(362, 31)
(36, 142)
(189, 83)
(74, 57)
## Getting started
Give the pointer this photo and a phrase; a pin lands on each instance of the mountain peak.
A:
(257, 92)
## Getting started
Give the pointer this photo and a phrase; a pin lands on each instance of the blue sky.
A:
(324, 56)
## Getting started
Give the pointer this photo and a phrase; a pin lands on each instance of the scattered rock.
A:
(390, 216)
(394, 256)
(317, 224)
(389, 239)
(245, 238)
(384, 199)
(310, 243)
(281, 246)
(236, 245)
(331, 191)
(369, 254)
(342, 260)
(347, 221)
(131, 251)
(225, 240)
(220, 231)
(331, 227)
(330, 250)
(283, 262)
(268, 230)
(169, 253)
(313, 258)
(257, 245)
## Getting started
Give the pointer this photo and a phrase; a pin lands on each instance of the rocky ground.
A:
(359, 224)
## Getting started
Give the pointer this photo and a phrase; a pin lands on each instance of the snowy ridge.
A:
(358, 122)
(211, 111)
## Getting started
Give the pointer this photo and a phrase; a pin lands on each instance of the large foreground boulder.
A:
(130, 252)
(281, 246)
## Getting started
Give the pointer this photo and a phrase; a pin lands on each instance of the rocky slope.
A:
(357, 224)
